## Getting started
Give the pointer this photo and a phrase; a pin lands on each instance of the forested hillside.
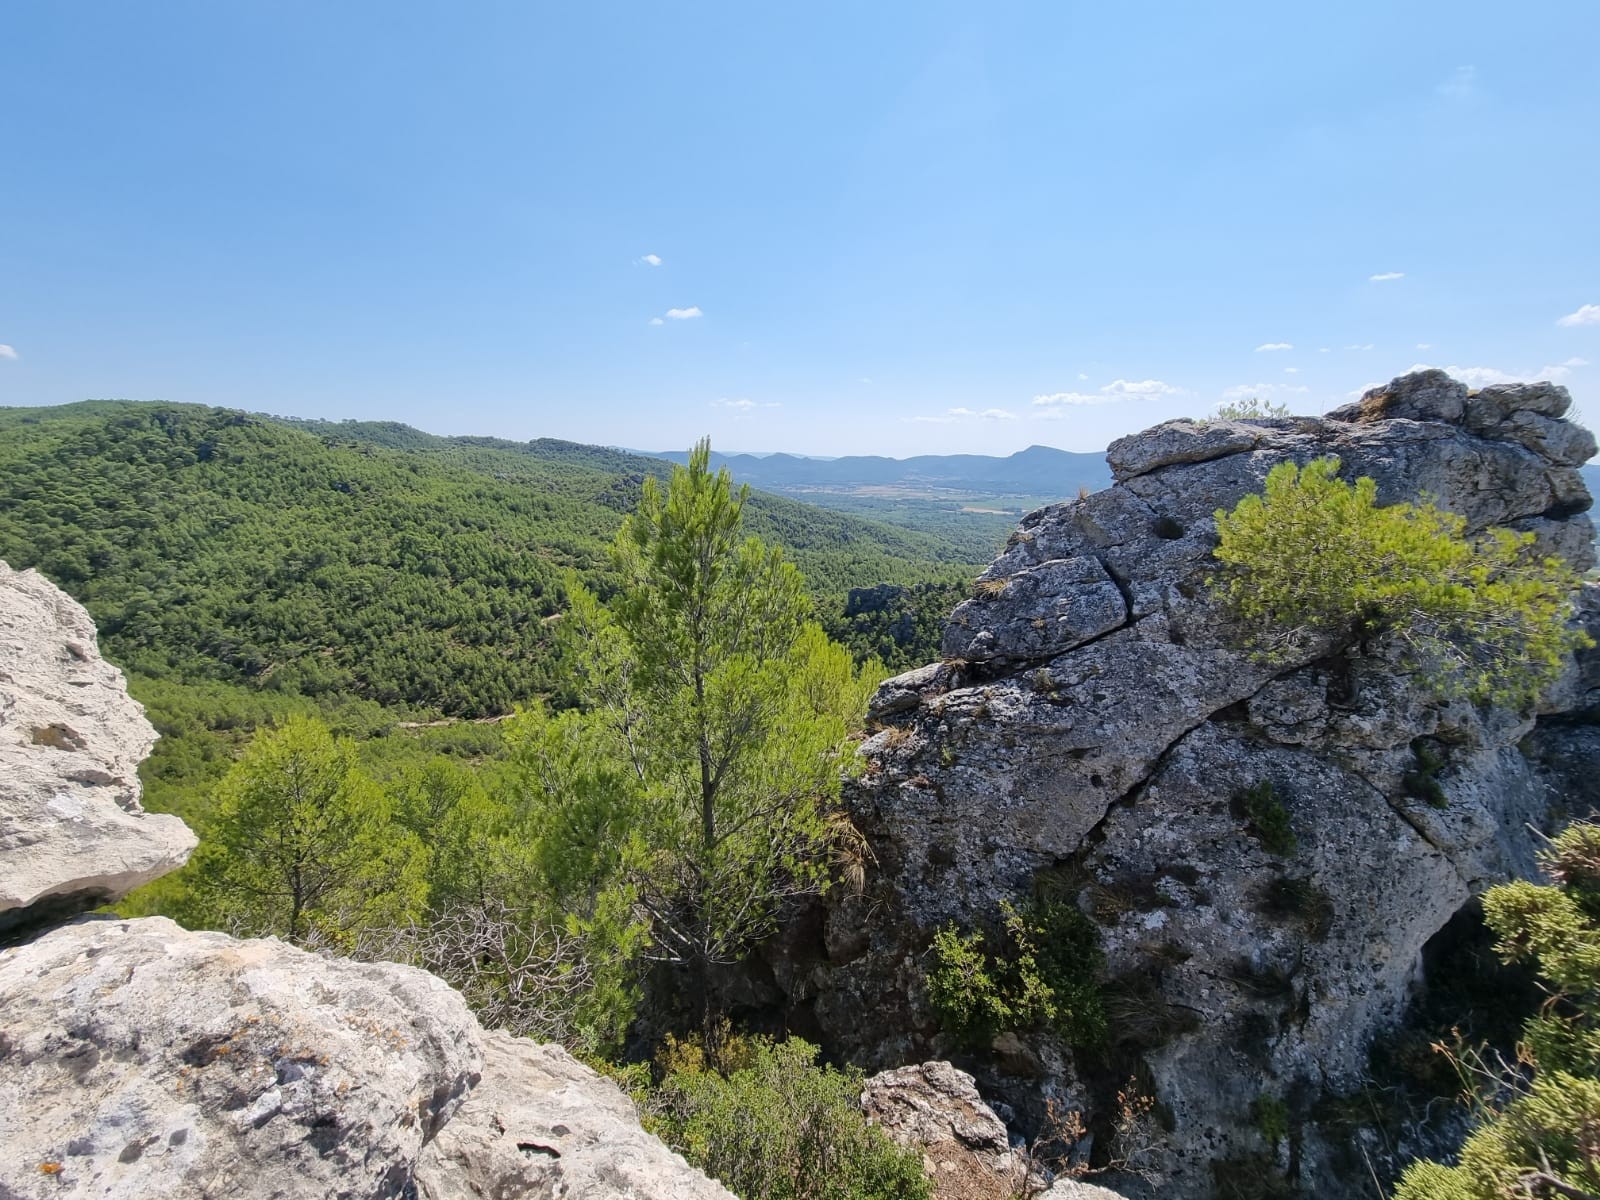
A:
(244, 569)
(370, 561)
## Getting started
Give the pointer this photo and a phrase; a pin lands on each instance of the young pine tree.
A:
(302, 845)
(723, 714)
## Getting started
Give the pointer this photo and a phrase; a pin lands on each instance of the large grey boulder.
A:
(542, 1125)
(138, 1059)
(72, 833)
(935, 1109)
(1114, 765)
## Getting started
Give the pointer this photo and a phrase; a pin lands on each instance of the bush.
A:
(1252, 409)
(776, 1126)
(1479, 616)
(1539, 1135)
(1035, 969)
(1268, 819)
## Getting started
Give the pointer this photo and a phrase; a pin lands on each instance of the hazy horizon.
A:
(895, 230)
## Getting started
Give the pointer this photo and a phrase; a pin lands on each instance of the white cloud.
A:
(1576, 362)
(1460, 85)
(955, 414)
(651, 260)
(1587, 314)
(1368, 346)
(1274, 346)
(1291, 370)
(744, 404)
(1386, 276)
(1058, 399)
(1322, 349)
(1082, 378)
(1051, 404)
(657, 321)
(1142, 387)
(7, 351)
(1263, 391)
(1424, 345)
(684, 314)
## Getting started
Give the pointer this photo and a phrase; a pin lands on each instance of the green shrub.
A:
(1422, 781)
(776, 1126)
(1477, 616)
(1539, 1136)
(1271, 1117)
(1252, 409)
(1268, 820)
(1037, 968)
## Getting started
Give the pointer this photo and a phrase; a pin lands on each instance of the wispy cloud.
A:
(1141, 387)
(1291, 370)
(1576, 362)
(650, 260)
(1074, 399)
(1461, 84)
(657, 321)
(684, 314)
(1114, 392)
(1262, 391)
(744, 404)
(1082, 378)
(1269, 346)
(1358, 346)
(1386, 276)
(1424, 345)
(7, 351)
(1588, 314)
(965, 414)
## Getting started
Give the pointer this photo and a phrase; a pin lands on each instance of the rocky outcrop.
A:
(542, 1125)
(1098, 729)
(139, 1059)
(72, 834)
(934, 1108)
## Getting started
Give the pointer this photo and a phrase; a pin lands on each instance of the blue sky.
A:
(825, 228)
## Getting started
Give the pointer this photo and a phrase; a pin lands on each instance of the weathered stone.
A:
(1429, 395)
(1489, 406)
(1554, 439)
(1178, 442)
(1035, 614)
(936, 1109)
(143, 1060)
(72, 833)
(542, 1125)
(1121, 769)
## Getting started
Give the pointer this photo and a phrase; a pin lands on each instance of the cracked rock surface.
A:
(1100, 726)
(72, 833)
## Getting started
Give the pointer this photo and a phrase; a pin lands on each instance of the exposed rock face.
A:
(934, 1108)
(543, 1125)
(144, 1060)
(72, 834)
(138, 1059)
(1100, 725)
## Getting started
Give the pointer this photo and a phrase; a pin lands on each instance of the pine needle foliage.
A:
(1539, 1130)
(1481, 617)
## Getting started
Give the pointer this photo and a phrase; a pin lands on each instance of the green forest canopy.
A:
(243, 568)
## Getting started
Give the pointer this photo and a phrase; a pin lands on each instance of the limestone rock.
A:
(72, 833)
(1117, 768)
(1429, 395)
(1037, 613)
(138, 1059)
(936, 1109)
(542, 1125)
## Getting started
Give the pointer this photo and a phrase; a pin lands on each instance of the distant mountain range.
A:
(1038, 471)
